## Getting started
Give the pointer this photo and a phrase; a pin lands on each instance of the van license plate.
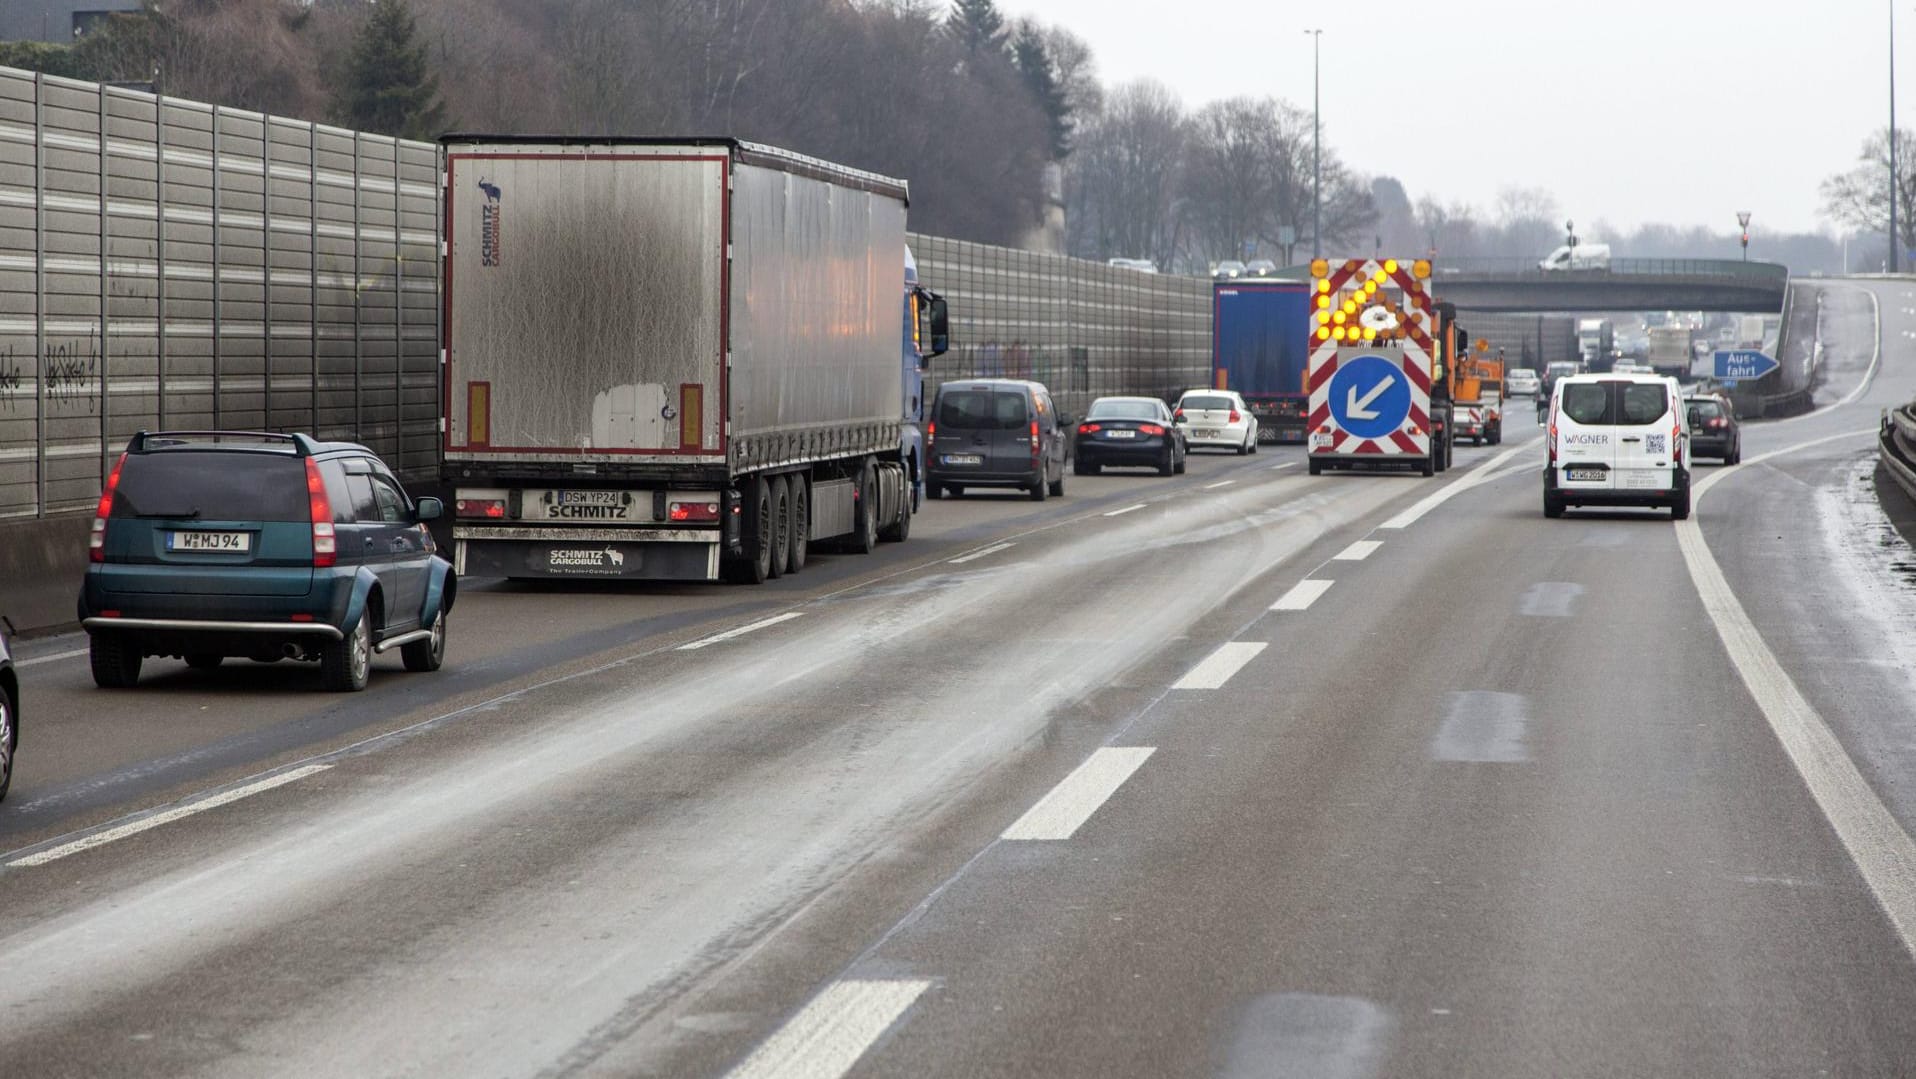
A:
(239, 542)
(1577, 474)
(964, 459)
(589, 498)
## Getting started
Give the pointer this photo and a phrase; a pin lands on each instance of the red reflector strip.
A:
(693, 511)
(302, 618)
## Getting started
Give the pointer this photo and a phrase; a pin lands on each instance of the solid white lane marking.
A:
(731, 634)
(1302, 595)
(1483, 473)
(1220, 483)
(145, 824)
(1287, 464)
(1125, 510)
(49, 659)
(1219, 666)
(980, 553)
(828, 1035)
(1883, 851)
(1358, 551)
(1869, 373)
(1060, 813)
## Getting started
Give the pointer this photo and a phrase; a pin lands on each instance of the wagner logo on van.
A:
(491, 224)
(1575, 439)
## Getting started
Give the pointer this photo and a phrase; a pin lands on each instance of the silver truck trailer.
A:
(671, 359)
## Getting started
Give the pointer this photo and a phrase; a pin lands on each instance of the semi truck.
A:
(676, 359)
(1596, 344)
(1260, 342)
(1376, 366)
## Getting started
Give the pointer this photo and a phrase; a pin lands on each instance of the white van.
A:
(1617, 440)
(1580, 257)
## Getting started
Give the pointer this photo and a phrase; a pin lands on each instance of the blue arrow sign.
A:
(1743, 363)
(1370, 396)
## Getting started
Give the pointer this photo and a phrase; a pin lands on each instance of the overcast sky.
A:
(1683, 111)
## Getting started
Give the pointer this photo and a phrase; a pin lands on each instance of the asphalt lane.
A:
(1047, 790)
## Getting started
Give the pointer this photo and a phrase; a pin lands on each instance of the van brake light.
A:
(1034, 442)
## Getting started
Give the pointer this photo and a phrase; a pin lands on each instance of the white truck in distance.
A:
(676, 359)
(1580, 257)
(1596, 344)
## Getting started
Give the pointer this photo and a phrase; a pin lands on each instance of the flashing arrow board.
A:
(1743, 363)
(1370, 396)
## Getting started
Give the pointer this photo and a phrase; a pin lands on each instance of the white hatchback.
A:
(1618, 440)
(1523, 382)
(1216, 419)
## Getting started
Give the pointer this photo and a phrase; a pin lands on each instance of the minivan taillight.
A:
(96, 541)
(1034, 442)
(320, 509)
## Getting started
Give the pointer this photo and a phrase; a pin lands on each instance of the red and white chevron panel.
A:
(1413, 351)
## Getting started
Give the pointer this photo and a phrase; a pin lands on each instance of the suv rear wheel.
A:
(115, 665)
(345, 666)
(428, 654)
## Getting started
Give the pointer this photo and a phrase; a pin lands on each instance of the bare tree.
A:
(1859, 199)
(1121, 190)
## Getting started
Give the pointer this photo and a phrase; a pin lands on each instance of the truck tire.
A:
(115, 665)
(754, 564)
(864, 537)
(781, 489)
(898, 529)
(801, 546)
(1429, 465)
(1315, 466)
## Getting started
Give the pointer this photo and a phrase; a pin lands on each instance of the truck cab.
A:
(927, 334)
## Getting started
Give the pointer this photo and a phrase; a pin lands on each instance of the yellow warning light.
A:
(1323, 285)
(1370, 288)
(1350, 307)
(1377, 278)
(1323, 317)
(1338, 333)
(1370, 334)
(1420, 269)
(1321, 268)
(1323, 333)
(1323, 302)
(1338, 317)
(1390, 265)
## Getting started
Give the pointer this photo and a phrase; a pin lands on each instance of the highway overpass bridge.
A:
(1517, 286)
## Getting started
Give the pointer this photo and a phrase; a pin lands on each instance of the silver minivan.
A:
(1617, 440)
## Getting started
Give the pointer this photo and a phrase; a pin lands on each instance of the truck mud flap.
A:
(589, 560)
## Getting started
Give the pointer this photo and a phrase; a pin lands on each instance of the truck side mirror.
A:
(940, 328)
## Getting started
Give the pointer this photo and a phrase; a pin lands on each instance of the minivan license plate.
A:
(239, 542)
(963, 459)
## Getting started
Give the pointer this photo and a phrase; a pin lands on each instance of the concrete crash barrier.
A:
(41, 563)
(1896, 446)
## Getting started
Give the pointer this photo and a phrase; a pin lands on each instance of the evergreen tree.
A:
(977, 25)
(1034, 63)
(390, 87)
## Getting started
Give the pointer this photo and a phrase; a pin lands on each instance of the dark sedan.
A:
(1713, 429)
(1128, 432)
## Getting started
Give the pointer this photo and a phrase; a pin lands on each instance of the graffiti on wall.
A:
(69, 370)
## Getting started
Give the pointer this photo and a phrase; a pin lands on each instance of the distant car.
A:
(1140, 265)
(1714, 431)
(1618, 440)
(1216, 419)
(996, 432)
(1260, 268)
(1128, 431)
(1522, 382)
(1229, 268)
(1554, 371)
(208, 545)
(9, 711)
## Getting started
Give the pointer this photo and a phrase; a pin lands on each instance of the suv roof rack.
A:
(301, 445)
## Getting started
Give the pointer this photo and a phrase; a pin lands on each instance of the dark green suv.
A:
(263, 546)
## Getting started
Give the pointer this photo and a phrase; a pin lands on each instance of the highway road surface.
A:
(1242, 773)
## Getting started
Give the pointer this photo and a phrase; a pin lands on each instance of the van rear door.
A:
(1585, 436)
(1647, 436)
(1012, 450)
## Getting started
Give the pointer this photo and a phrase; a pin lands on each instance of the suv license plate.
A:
(1578, 474)
(589, 498)
(964, 459)
(239, 542)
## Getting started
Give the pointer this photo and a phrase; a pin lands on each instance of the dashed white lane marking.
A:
(1219, 666)
(828, 1035)
(1287, 464)
(1883, 851)
(731, 634)
(1481, 474)
(981, 553)
(1125, 510)
(145, 824)
(49, 659)
(1302, 595)
(1220, 483)
(1060, 813)
(1358, 551)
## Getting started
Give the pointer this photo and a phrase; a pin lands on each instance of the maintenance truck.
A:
(1478, 388)
(1260, 345)
(676, 359)
(1375, 360)
(1670, 352)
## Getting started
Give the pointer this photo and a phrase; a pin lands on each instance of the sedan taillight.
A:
(1150, 429)
(1089, 428)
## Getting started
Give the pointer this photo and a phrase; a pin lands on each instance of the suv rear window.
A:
(982, 410)
(1206, 402)
(212, 486)
(1588, 403)
(1706, 408)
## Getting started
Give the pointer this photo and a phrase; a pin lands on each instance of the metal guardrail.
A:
(1896, 446)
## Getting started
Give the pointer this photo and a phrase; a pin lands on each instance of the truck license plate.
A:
(964, 459)
(240, 542)
(1320, 441)
(588, 498)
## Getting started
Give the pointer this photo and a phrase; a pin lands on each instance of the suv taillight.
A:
(96, 541)
(320, 511)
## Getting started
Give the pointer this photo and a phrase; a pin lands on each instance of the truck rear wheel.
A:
(898, 529)
(754, 564)
(864, 537)
(781, 525)
(800, 548)
(1315, 466)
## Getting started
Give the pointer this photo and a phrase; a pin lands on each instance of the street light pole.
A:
(1743, 221)
(1317, 141)
(1894, 242)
